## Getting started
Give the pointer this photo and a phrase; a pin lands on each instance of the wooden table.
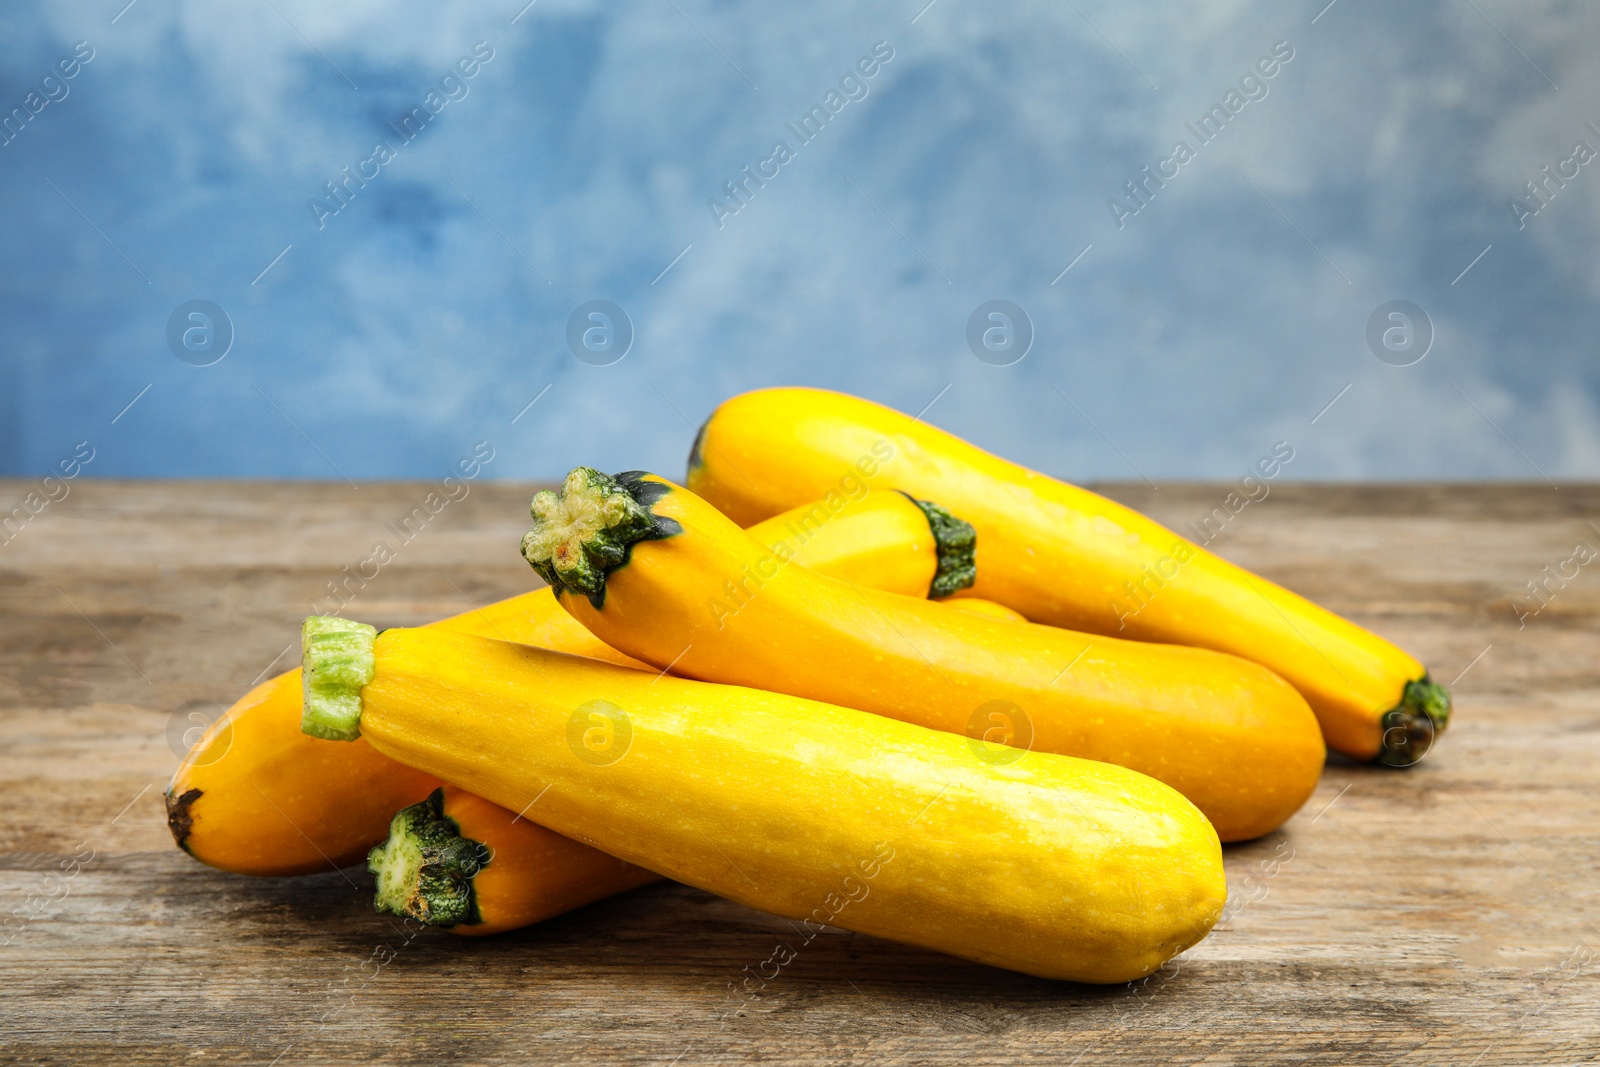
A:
(1444, 914)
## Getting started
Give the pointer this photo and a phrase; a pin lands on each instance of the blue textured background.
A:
(427, 313)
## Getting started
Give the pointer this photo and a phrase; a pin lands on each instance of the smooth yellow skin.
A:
(271, 801)
(988, 609)
(876, 538)
(1057, 553)
(1057, 867)
(1228, 734)
(533, 873)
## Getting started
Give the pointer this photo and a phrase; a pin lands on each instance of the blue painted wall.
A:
(536, 159)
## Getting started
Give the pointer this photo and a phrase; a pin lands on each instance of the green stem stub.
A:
(1411, 727)
(180, 815)
(587, 529)
(336, 661)
(425, 867)
(957, 545)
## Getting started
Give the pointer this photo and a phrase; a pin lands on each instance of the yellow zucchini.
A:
(659, 574)
(986, 608)
(878, 538)
(255, 795)
(1054, 866)
(461, 862)
(1069, 557)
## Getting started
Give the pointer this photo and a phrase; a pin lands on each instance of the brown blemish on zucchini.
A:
(180, 816)
(587, 529)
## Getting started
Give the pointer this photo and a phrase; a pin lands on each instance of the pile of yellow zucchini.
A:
(855, 672)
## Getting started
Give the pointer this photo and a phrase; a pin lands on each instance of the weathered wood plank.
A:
(1441, 915)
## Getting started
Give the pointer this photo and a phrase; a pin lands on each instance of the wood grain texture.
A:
(1444, 914)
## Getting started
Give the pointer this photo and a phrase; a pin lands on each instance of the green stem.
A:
(336, 661)
(587, 529)
(425, 867)
(1411, 727)
(957, 545)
